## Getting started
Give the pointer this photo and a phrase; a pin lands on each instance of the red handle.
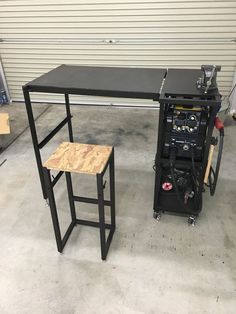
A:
(218, 123)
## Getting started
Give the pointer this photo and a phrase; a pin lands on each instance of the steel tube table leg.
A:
(68, 116)
(53, 209)
(35, 140)
(101, 215)
(70, 196)
(112, 189)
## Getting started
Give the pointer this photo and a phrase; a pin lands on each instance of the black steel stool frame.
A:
(61, 241)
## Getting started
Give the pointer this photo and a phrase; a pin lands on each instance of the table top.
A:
(183, 82)
(144, 83)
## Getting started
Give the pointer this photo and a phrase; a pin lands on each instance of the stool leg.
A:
(53, 209)
(70, 196)
(112, 190)
(101, 215)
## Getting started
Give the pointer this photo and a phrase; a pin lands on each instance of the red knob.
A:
(167, 186)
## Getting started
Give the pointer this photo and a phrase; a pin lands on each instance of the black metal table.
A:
(140, 83)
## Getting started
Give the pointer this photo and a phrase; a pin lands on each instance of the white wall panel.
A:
(38, 36)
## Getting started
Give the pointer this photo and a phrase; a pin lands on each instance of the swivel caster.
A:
(192, 220)
(157, 215)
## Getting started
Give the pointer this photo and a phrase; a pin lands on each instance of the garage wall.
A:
(37, 36)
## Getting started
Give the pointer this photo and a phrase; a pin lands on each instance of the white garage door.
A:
(37, 36)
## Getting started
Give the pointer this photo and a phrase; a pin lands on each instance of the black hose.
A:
(215, 173)
(195, 182)
(181, 202)
(194, 172)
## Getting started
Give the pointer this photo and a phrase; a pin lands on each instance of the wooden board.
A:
(208, 168)
(4, 123)
(80, 158)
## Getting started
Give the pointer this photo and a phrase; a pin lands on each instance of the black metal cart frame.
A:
(184, 92)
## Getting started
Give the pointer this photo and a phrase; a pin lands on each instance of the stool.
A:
(88, 159)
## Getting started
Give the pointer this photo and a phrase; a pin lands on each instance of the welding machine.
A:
(189, 103)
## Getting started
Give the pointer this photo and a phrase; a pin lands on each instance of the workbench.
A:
(139, 83)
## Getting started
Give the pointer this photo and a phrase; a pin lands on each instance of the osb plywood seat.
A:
(80, 158)
(4, 123)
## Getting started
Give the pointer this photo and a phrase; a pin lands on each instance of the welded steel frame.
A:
(101, 224)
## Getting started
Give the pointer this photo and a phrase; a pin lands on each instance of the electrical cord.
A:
(213, 176)
(228, 97)
(194, 172)
(172, 163)
(195, 181)
(176, 186)
(232, 90)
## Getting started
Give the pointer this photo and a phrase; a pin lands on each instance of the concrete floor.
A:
(18, 122)
(152, 267)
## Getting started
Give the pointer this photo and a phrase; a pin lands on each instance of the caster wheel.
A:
(157, 215)
(192, 220)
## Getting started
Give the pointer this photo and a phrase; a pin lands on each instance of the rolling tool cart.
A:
(189, 103)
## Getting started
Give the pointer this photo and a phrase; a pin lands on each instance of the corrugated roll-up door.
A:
(37, 36)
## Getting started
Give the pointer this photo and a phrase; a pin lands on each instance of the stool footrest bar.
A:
(91, 223)
(89, 200)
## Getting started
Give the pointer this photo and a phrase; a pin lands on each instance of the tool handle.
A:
(210, 157)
